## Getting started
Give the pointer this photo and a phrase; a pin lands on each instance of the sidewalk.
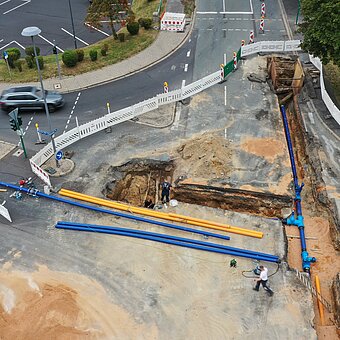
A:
(165, 44)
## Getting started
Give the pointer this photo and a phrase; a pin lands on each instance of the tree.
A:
(321, 29)
(107, 9)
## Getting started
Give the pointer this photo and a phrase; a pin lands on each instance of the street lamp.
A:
(74, 34)
(32, 32)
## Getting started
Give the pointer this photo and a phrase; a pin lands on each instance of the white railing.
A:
(123, 115)
(332, 108)
(271, 46)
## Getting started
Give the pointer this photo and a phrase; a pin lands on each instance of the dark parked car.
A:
(29, 98)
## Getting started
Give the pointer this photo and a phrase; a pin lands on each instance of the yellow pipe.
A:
(318, 289)
(148, 212)
(167, 216)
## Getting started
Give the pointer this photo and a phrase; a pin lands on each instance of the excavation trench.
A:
(139, 180)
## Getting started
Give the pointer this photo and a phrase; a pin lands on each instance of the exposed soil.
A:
(55, 305)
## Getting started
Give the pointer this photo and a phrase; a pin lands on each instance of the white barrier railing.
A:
(271, 46)
(332, 108)
(122, 115)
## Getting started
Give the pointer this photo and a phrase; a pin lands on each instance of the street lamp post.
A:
(74, 34)
(32, 32)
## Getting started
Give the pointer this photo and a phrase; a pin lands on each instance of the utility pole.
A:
(74, 34)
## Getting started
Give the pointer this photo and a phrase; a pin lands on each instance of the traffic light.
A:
(19, 121)
(13, 125)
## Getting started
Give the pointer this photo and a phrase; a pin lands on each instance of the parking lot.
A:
(54, 20)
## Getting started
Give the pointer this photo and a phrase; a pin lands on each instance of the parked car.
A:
(29, 98)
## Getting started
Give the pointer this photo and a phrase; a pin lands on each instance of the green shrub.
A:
(30, 51)
(41, 62)
(133, 27)
(93, 55)
(15, 51)
(104, 49)
(121, 37)
(18, 64)
(29, 61)
(145, 22)
(80, 55)
(70, 58)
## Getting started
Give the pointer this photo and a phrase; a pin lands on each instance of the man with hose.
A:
(263, 279)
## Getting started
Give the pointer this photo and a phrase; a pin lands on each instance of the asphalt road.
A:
(219, 28)
(54, 20)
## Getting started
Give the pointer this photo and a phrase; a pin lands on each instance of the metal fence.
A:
(332, 108)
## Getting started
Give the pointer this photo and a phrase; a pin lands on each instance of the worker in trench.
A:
(166, 186)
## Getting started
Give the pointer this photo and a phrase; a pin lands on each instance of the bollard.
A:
(262, 25)
(251, 37)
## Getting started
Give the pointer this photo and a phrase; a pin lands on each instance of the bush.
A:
(80, 55)
(93, 55)
(104, 49)
(15, 51)
(70, 58)
(29, 61)
(18, 65)
(30, 51)
(41, 62)
(133, 28)
(121, 37)
(145, 22)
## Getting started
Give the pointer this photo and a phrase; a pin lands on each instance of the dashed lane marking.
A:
(26, 128)
(188, 53)
(70, 116)
(69, 33)
(186, 68)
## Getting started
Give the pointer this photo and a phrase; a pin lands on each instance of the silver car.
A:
(29, 98)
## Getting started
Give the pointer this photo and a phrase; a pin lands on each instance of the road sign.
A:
(59, 155)
(14, 114)
(46, 133)
(5, 55)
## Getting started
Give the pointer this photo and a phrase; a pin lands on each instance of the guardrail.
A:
(332, 108)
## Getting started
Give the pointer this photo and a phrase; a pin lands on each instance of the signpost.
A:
(16, 123)
(5, 54)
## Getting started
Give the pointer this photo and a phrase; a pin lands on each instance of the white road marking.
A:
(311, 117)
(186, 68)
(223, 4)
(183, 83)
(1, 40)
(4, 2)
(25, 3)
(188, 53)
(251, 6)
(97, 29)
(225, 95)
(70, 116)
(84, 42)
(26, 128)
(51, 43)
(13, 41)
(207, 12)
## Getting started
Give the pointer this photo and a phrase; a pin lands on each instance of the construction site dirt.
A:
(226, 163)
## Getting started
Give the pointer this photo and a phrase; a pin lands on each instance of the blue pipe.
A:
(296, 219)
(132, 217)
(168, 241)
(175, 238)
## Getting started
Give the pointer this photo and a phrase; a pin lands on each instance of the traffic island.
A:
(65, 167)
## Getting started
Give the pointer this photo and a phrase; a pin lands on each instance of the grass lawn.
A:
(117, 51)
(332, 74)
(145, 8)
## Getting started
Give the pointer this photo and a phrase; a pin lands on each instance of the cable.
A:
(256, 277)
